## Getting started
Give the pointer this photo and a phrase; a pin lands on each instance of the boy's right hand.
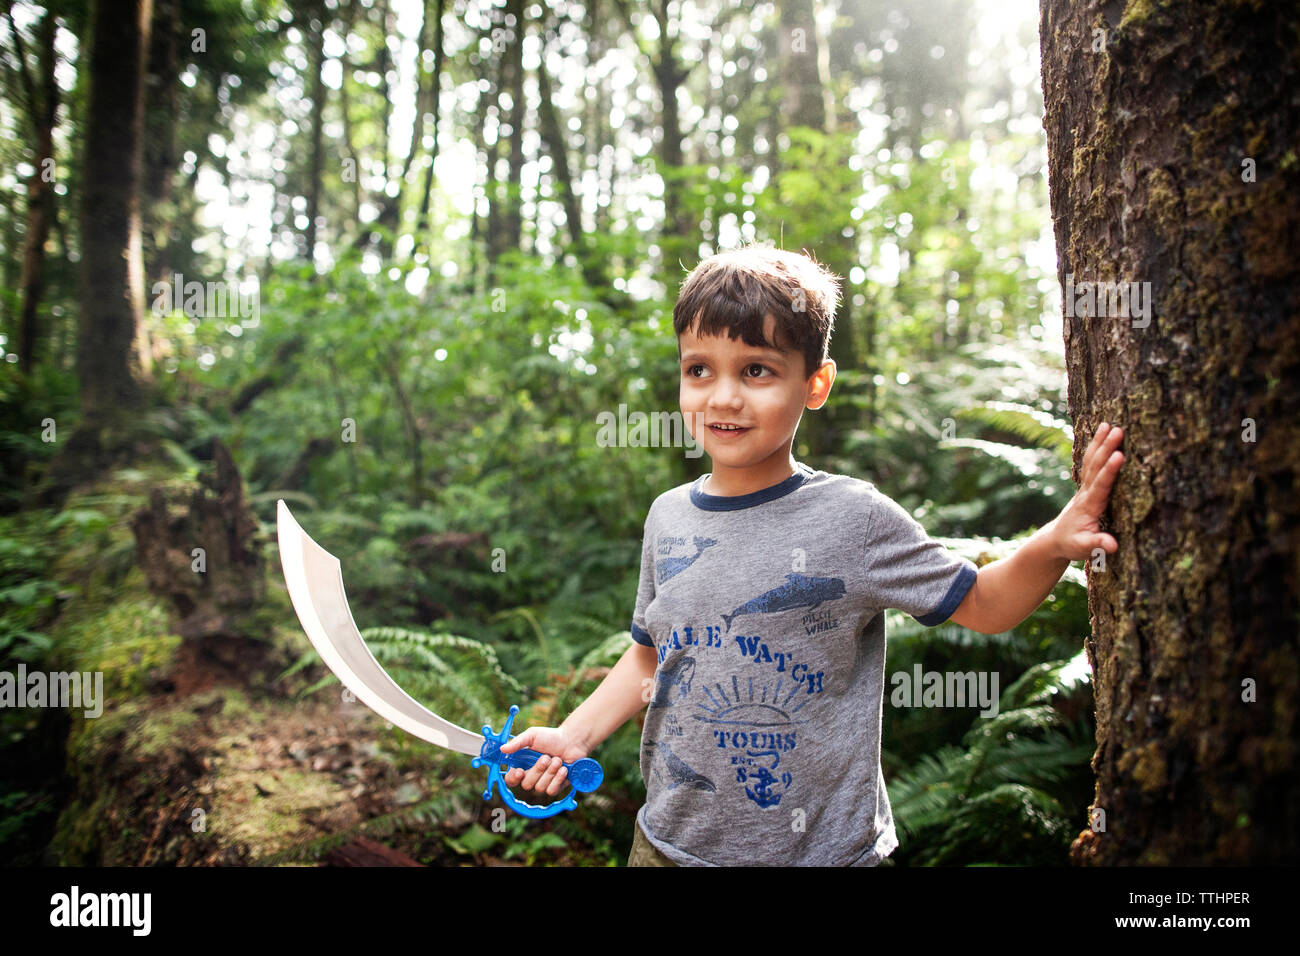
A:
(558, 747)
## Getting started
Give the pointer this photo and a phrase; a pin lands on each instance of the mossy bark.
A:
(1172, 131)
(201, 553)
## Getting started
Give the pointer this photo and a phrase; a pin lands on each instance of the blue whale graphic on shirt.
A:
(799, 590)
(681, 773)
(668, 567)
(674, 682)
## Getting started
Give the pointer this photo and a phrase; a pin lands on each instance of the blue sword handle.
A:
(585, 775)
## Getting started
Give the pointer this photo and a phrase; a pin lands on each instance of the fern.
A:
(458, 678)
(1044, 760)
(436, 808)
(923, 796)
(605, 654)
(992, 795)
(1039, 429)
(981, 823)
(1023, 460)
(529, 616)
(1043, 681)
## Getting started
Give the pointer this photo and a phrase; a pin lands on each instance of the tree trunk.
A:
(41, 106)
(514, 61)
(315, 29)
(679, 242)
(112, 358)
(160, 141)
(801, 79)
(1171, 133)
(598, 120)
(389, 219)
(354, 174)
(435, 100)
(553, 136)
(493, 230)
(805, 105)
(112, 352)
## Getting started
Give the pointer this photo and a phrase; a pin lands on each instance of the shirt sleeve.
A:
(645, 592)
(909, 570)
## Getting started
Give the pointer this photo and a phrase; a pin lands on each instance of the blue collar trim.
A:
(709, 502)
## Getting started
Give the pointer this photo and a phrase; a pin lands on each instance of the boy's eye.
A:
(754, 369)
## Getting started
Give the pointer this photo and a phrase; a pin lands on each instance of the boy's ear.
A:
(819, 384)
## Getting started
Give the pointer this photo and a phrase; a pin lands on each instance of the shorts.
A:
(644, 852)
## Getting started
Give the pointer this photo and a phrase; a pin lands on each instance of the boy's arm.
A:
(1007, 591)
(622, 693)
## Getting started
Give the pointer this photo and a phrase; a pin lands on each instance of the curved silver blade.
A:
(315, 580)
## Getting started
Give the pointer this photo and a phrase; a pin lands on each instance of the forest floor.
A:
(206, 753)
(214, 778)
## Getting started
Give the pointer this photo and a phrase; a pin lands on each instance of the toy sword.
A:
(315, 581)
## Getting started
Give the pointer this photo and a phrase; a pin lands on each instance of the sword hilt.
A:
(585, 775)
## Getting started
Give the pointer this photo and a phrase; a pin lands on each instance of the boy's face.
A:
(763, 390)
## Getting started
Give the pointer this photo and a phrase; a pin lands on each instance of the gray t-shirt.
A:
(762, 736)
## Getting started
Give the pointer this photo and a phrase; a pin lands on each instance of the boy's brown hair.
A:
(733, 292)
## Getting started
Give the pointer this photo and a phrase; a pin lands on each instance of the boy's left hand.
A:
(1077, 529)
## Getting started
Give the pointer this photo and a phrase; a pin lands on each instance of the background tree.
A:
(42, 100)
(113, 357)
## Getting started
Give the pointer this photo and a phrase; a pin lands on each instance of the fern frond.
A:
(1038, 428)
(1037, 762)
(604, 654)
(1027, 461)
(978, 825)
(450, 674)
(1043, 681)
(925, 794)
(436, 808)
(529, 615)
(607, 653)
(989, 733)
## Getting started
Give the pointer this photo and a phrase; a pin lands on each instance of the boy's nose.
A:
(725, 394)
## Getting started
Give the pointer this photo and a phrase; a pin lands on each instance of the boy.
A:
(758, 632)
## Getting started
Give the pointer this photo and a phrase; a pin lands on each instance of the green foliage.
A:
(18, 809)
(1035, 427)
(455, 677)
(1002, 796)
(27, 408)
(947, 441)
(27, 594)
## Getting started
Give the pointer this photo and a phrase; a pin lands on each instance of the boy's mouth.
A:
(727, 430)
